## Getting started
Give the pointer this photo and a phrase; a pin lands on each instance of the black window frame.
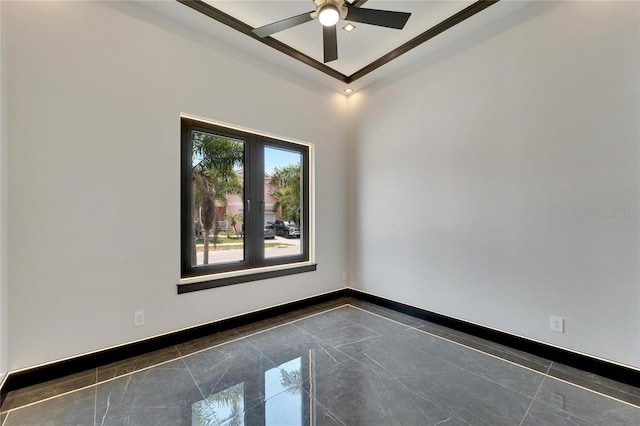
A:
(253, 207)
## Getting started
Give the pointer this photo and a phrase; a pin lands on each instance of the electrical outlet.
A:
(138, 318)
(556, 324)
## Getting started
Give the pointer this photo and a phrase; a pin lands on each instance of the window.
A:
(245, 206)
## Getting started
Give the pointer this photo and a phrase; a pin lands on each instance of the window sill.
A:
(204, 282)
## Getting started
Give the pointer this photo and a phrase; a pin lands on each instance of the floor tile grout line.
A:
(309, 316)
(571, 414)
(263, 355)
(204, 398)
(484, 377)
(600, 385)
(605, 385)
(324, 407)
(396, 379)
(181, 357)
(165, 362)
(501, 359)
(546, 374)
(593, 391)
(454, 342)
(587, 389)
(577, 416)
(532, 401)
(453, 365)
(255, 333)
(95, 402)
(85, 375)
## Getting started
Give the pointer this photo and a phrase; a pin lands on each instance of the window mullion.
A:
(254, 233)
(258, 166)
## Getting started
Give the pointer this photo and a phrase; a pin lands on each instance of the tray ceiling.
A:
(360, 52)
(357, 49)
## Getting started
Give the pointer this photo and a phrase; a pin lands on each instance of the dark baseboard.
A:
(78, 364)
(33, 376)
(586, 363)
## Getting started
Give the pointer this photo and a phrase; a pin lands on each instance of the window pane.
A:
(218, 199)
(283, 202)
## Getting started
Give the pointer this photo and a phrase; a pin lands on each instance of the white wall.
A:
(94, 96)
(3, 206)
(500, 155)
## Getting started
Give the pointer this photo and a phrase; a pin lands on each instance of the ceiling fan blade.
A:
(358, 3)
(381, 18)
(284, 24)
(330, 42)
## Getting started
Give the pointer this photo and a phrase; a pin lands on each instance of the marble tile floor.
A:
(346, 362)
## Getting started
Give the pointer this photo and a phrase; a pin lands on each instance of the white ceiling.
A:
(355, 50)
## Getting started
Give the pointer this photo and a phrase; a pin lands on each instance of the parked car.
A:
(286, 229)
(269, 231)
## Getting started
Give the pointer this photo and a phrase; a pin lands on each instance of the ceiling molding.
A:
(220, 16)
(425, 36)
(439, 28)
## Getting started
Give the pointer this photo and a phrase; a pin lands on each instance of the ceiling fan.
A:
(329, 12)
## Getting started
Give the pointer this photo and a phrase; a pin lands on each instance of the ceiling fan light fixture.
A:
(329, 15)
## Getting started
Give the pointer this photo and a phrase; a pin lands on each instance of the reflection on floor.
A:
(342, 363)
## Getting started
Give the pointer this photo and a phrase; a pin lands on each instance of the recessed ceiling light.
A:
(348, 90)
(349, 27)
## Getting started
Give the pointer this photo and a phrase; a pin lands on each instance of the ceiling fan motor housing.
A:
(337, 4)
